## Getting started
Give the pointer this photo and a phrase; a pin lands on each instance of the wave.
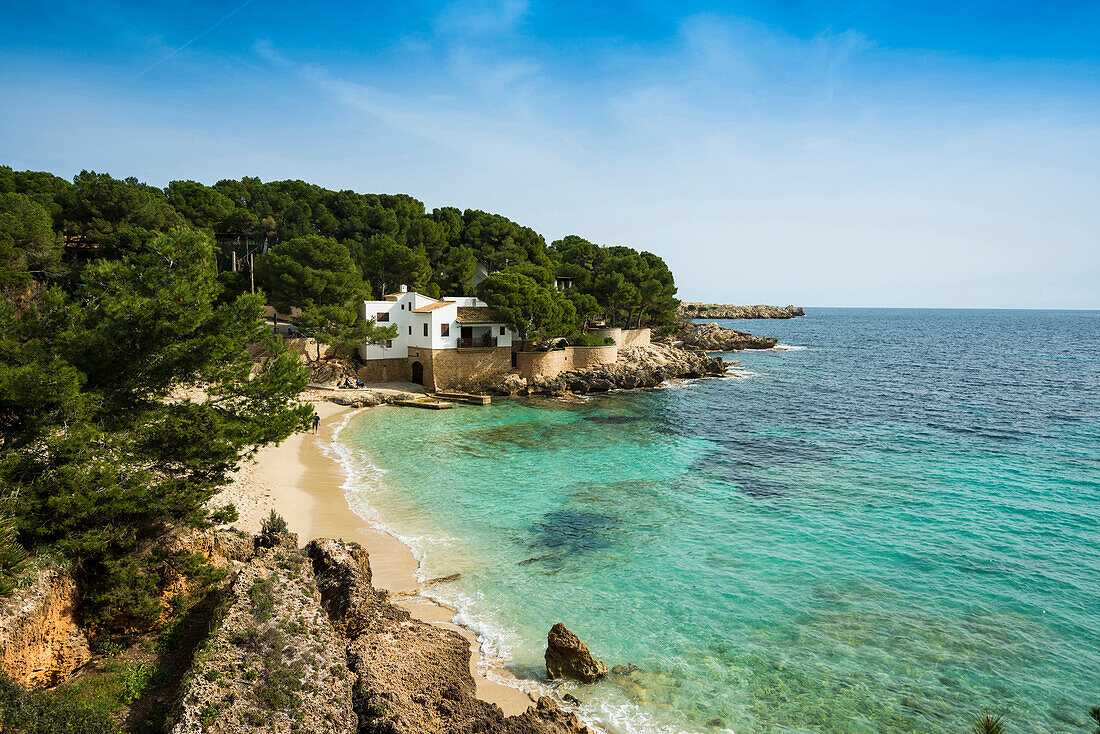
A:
(788, 348)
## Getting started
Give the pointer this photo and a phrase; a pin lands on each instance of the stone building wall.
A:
(448, 369)
(398, 369)
(634, 338)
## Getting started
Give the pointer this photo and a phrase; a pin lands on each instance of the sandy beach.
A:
(301, 483)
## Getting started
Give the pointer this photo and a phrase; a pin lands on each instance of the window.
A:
(383, 316)
(389, 342)
(410, 331)
(402, 306)
(425, 329)
(502, 331)
(444, 329)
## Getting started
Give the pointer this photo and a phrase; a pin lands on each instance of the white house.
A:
(440, 343)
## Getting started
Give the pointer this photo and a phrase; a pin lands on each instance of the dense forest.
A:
(368, 244)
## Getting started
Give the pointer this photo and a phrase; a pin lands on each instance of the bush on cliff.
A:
(42, 712)
(96, 458)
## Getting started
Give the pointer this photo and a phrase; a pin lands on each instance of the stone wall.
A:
(451, 369)
(545, 364)
(398, 369)
(634, 338)
(40, 642)
(584, 357)
(552, 364)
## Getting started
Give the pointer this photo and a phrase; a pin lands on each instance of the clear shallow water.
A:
(885, 531)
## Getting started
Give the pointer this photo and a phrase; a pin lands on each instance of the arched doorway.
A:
(418, 373)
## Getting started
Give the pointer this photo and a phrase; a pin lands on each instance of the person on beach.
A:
(316, 423)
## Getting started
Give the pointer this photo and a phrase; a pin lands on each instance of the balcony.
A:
(476, 342)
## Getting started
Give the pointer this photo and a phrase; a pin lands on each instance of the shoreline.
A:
(303, 483)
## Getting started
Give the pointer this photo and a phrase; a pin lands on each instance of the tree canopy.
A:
(391, 239)
(97, 459)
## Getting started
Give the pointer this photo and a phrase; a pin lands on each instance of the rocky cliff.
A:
(714, 338)
(307, 644)
(40, 642)
(690, 310)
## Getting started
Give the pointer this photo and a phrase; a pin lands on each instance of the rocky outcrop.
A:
(689, 310)
(344, 581)
(637, 367)
(411, 677)
(714, 338)
(307, 644)
(274, 663)
(40, 642)
(568, 657)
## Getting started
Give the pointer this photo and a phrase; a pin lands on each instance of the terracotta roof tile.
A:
(477, 315)
(431, 307)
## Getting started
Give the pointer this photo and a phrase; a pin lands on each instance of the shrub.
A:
(12, 557)
(49, 712)
(591, 340)
(271, 528)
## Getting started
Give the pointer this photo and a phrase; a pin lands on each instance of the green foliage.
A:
(310, 271)
(28, 243)
(12, 557)
(78, 711)
(591, 340)
(271, 528)
(95, 460)
(531, 309)
(342, 327)
(987, 723)
(98, 205)
(631, 288)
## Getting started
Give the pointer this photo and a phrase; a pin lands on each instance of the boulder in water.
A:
(568, 657)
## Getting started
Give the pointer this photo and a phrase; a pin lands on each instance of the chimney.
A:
(404, 288)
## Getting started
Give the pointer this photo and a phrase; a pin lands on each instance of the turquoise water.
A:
(885, 531)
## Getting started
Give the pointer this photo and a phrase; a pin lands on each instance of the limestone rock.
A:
(344, 581)
(40, 643)
(714, 338)
(275, 663)
(568, 657)
(690, 310)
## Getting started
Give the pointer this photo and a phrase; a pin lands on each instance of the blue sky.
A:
(823, 153)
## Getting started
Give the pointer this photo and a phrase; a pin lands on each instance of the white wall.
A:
(410, 325)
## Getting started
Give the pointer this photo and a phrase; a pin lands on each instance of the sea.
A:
(888, 523)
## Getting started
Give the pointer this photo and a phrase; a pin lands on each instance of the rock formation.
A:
(714, 338)
(40, 642)
(275, 662)
(307, 644)
(690, 310)
(568, 657)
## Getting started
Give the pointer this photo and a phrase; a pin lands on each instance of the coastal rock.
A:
(689, 310)
(40, 642)
(357, 398)
(568, 657)
(344, 582)
(275, 663)
(714, 338)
